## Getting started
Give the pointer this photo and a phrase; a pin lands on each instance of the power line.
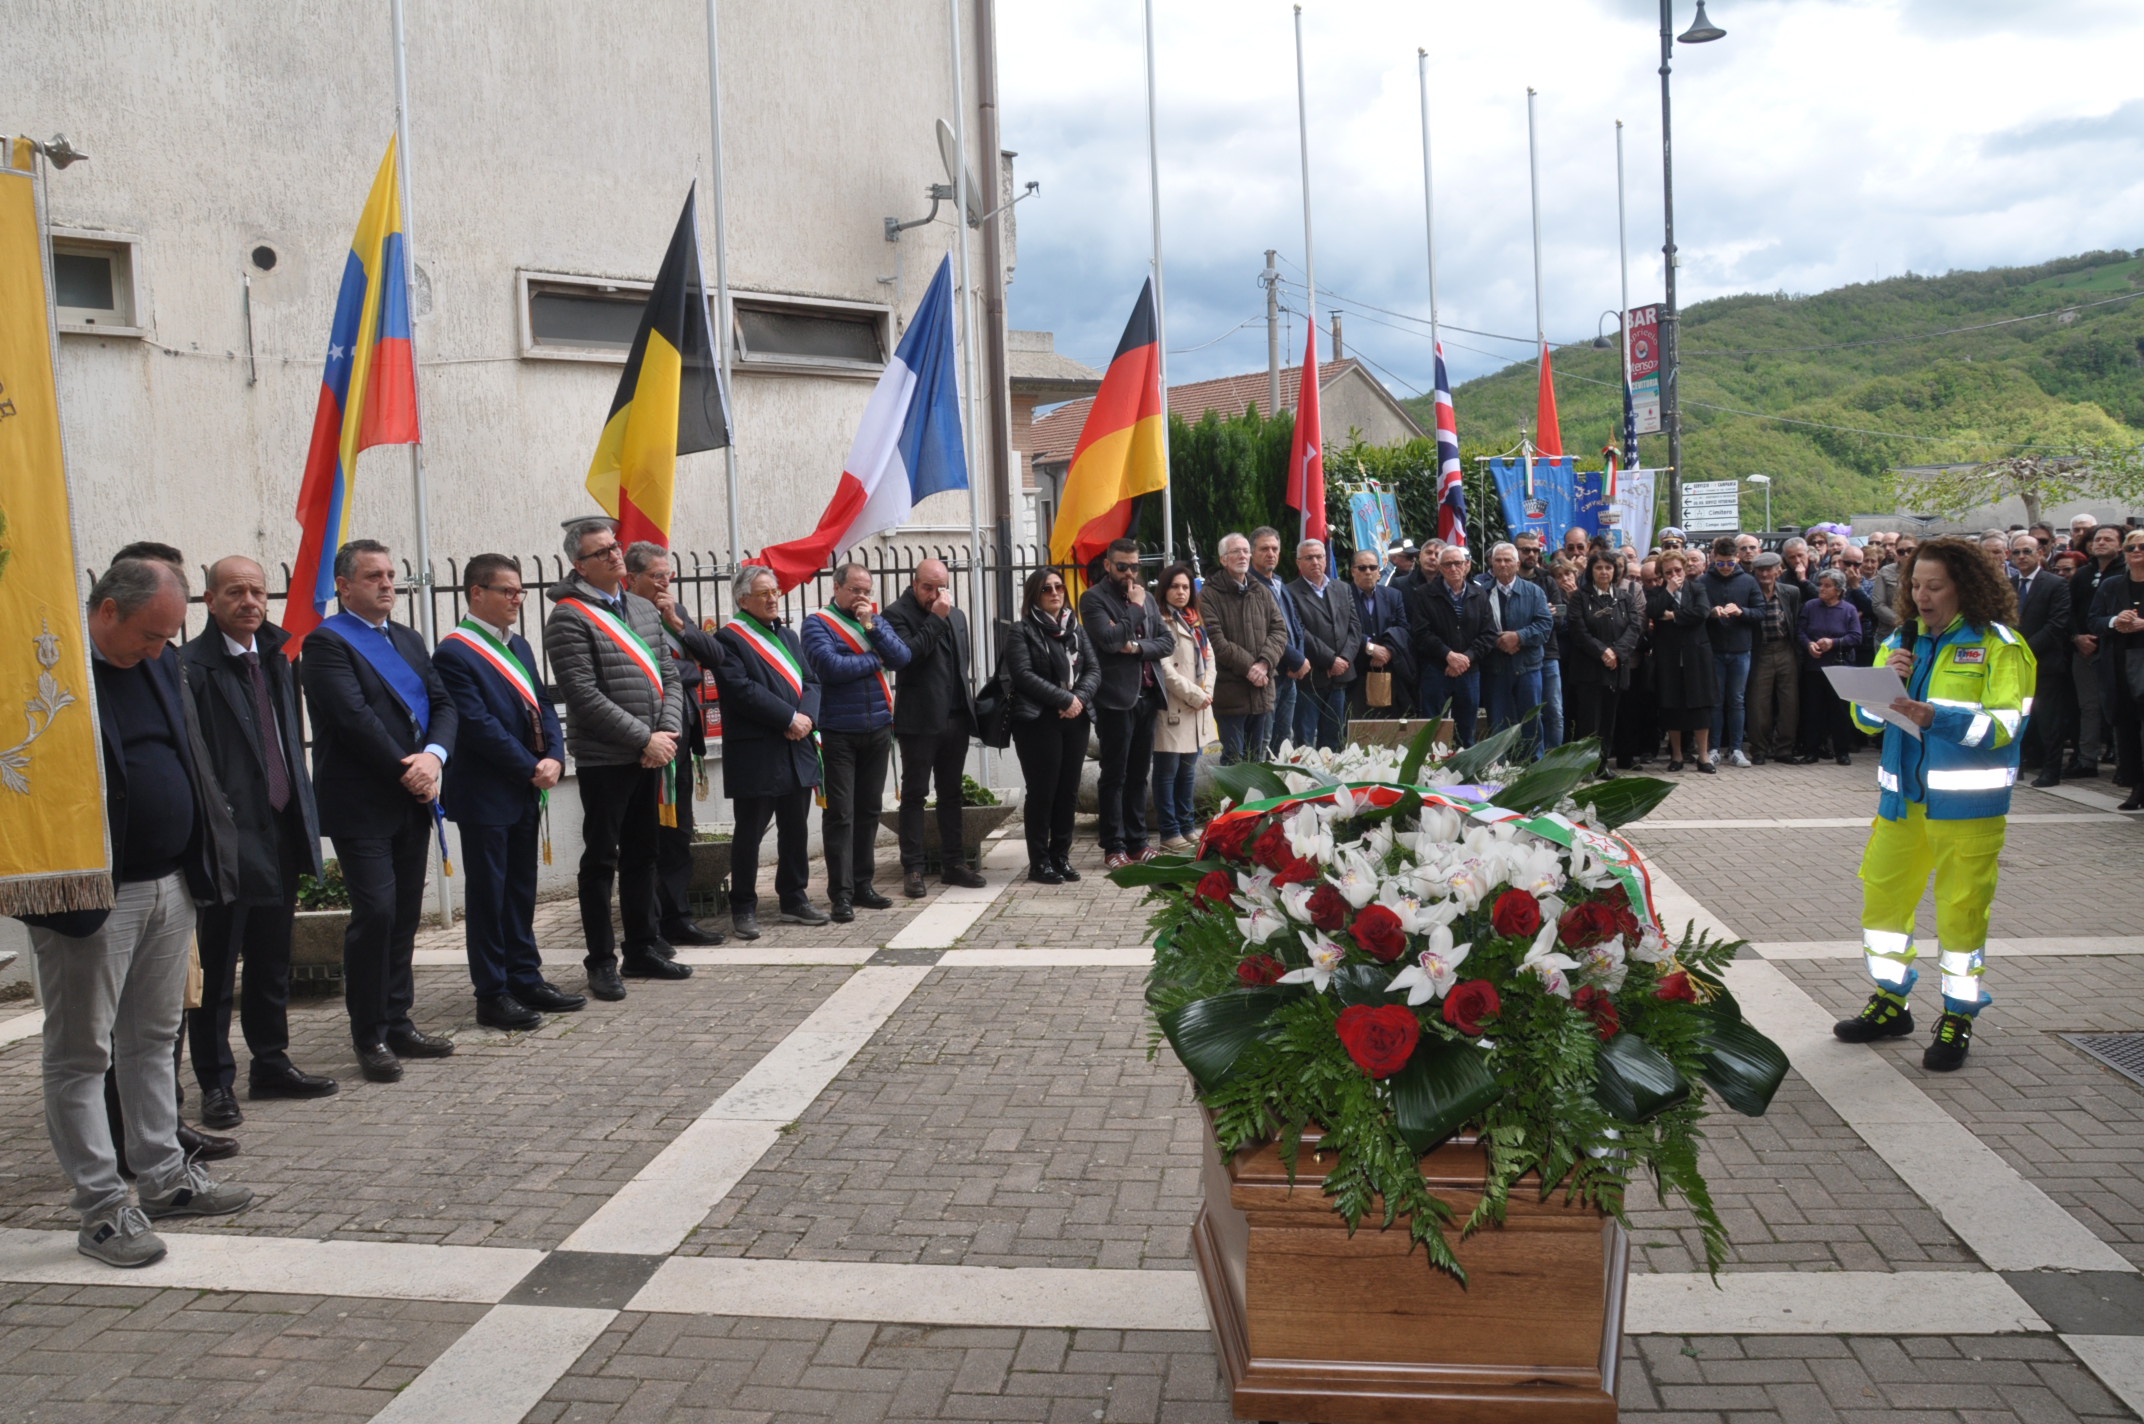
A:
(1247, 321)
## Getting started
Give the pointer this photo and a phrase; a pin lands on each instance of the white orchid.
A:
(1295, 901)
(1377, 843)
(1325, 957)
(1604, 965)
(1652, 946)
(1310, 834)
(1352, 876)
(1549, 966)
(1434, 971)
(1416, 915)
(1260, 925)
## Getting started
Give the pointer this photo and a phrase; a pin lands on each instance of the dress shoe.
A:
(637, 967)
(549, 998)
(2080, 770)
(912, 885)
(840, 911)
(219, 1108)
(1845, 759)
(1044, 873)
(804, 912)
(2134, 803)
(282, 1080)
(410, 1043)
(379, 1063)
(2049, 776)
(1065, 872)
(1708, 766)
(870, 899)
(504, 1011)
(744, 924)
(657, 948)
(203, 1147)
(962, 876)
(687, 932)
(605, 984)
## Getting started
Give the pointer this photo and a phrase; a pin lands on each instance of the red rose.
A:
(1379, 932)
(1583, 926)
(1261, 969)
(1228, 838)
(1617, 896)
(1379, 1039)
(1676, 986)
(1214, 888)
(1327, 907)
(1516, 913)
(1626, 923)
(1296, 872)
(1469, 1003)
(1599, 1007)
(1271, 848)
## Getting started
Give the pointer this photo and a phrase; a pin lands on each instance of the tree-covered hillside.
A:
(1826, 393)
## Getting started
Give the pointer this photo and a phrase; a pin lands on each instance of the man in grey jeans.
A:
(114, 982)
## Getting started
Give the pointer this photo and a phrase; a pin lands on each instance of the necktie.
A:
(271, 744)
(1503, 610)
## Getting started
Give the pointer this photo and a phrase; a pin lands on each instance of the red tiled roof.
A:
(1056, 435)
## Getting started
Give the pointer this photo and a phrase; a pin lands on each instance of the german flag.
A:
(669, 400)
(1123, 449)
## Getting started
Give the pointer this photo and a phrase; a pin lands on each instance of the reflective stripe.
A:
(2010, 720)
(2027, 709)
(1961, 975)
(1954, 702)
(1886, 780)
(1887, 942)
(1889, 972)
(2002, 632)
(1890, 955)
(1993, 778)
(1976, 732)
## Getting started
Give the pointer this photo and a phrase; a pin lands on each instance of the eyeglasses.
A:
(516, 592)
(608, 551)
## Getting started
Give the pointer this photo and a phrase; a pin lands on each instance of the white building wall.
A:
(545, 135)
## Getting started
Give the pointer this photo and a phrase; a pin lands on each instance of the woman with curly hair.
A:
(1946, 788)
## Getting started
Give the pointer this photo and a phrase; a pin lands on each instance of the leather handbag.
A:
(1377, 688)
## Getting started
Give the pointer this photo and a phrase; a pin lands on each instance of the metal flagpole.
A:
(967, 325)
(1622, 316)
(1310, 262)
(443, 892)
(1533, 176)
(723, 336)
(1161, 324)
(1429, 208)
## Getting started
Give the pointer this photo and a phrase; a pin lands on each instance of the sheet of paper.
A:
(1873, 689)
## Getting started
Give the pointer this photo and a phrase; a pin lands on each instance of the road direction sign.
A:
(1712, 506)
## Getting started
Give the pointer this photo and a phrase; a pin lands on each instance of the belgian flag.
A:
(670, 399)
(1123, 449)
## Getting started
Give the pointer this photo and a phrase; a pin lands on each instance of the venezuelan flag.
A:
(1123, 449)
(368, 394)
(669, 401)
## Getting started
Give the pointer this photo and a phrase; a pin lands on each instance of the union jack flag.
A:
(1451, 487)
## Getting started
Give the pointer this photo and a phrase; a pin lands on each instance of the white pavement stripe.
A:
(2083, 796)
(22, 1026)
(747, 955)
(2007, 1221)
(1025, 1296)
(226, 1261)
(1827, 1303)
(2118, 1360)
(2039, 947)
(501, 1368)
(1841, 823)
(1138, 957)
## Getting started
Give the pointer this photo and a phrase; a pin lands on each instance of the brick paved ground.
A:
(121, 1354)
(1093, 914)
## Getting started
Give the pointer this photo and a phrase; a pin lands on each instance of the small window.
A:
(93, 284)
(810, 333)
(565, 318)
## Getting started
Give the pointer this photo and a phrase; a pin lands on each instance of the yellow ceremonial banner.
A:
(53, 854)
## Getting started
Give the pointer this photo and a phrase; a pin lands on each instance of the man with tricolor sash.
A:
(694, 655)
(509, 754)
(851, 648)
(624, 711)
(770, 752)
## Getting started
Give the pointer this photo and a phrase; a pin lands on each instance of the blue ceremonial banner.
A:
(1563, 497)
(1375, 514)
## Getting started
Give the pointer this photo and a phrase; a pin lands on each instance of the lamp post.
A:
(1766, 481)
(1701, 31)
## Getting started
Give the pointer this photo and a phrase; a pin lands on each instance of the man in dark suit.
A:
(509, 752)
(246, 698)
(694, 655)
(1775, 672)
(1128, 635)
(2046, 620)
(1332, 640)
(383, 726)
(770, 706)
(113, 981)
(1448, 621)
(933, 717)
(1381, 613)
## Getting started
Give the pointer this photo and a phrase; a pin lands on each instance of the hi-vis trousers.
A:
(1894, 872)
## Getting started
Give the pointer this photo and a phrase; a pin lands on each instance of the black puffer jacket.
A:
(1038, 666)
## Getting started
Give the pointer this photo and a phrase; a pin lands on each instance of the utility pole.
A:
(1271, 278)
(1670, 397)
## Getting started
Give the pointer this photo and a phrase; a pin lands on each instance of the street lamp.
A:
(1701, 31)
(1766, 481)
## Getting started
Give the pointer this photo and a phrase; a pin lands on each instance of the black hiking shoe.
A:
(1884, 1016)
(1946, 1053)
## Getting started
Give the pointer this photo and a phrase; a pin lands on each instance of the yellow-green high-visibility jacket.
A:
(1962, 766)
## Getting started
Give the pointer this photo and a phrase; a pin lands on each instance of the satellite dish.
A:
(949, 153)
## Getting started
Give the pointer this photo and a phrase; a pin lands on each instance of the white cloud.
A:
(1822, 142)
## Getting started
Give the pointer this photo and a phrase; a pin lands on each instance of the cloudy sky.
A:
(1821, 142)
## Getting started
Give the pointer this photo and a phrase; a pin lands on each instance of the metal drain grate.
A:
(2123, 1052)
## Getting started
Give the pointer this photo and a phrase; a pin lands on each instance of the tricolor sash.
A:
(849, 631)
(621, 633)
(771, 649)
(501, 659)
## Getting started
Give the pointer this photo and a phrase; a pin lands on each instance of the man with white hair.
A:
(1332, 641)
(770, 761)
(1249, 637)
(1519, 616)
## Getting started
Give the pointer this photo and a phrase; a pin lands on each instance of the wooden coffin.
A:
(1315, 1324)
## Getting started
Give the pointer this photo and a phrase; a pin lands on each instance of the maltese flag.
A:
(907, 449)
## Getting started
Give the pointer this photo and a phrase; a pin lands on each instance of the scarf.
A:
(1057, 629)
(1194, 628)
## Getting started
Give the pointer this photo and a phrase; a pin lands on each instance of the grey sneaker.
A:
(196, 1194)
(1738, 758)
(1713, 756)
(120, 1236)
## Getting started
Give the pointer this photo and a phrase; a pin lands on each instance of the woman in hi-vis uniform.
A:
(1946, 793)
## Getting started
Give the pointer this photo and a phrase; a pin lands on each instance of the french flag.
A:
(907, 449)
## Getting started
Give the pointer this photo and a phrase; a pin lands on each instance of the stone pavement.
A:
(456, 1246)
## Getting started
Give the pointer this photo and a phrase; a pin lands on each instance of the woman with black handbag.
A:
(2117, 619)
(1052, 672)
(1605, 625)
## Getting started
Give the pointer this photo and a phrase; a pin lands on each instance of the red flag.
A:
(1306, 452)
(1548, 432)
